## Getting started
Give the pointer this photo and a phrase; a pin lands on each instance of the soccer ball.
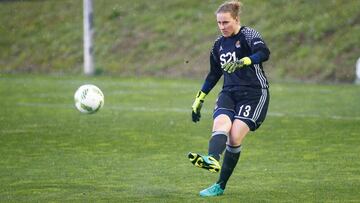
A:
(89, 99)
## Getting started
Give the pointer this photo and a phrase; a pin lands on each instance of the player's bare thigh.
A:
(239, 130)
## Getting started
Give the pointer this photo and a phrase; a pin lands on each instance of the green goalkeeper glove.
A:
(196, 107)
(234, 65)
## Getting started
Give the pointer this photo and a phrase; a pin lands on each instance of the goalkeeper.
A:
(242, 104)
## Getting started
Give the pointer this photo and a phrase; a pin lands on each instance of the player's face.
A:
(227, 24)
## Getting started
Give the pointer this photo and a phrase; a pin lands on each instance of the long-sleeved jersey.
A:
(246, 43)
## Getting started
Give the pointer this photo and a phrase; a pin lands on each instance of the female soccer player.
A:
(243, 101)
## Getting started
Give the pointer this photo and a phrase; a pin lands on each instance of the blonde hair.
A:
(232, 7)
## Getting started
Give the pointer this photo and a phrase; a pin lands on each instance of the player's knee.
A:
(222, 123)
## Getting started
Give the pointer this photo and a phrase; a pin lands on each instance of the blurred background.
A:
(313, 41)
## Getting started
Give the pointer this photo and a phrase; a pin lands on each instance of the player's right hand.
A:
(196, 107)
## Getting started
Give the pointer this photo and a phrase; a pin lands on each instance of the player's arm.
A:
(210, 81)
(260, 53)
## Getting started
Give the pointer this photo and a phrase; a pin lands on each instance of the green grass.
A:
(309, 40)
(134, 149)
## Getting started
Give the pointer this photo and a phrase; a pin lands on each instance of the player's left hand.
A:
(234, 65)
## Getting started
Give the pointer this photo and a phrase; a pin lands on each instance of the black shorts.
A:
(248, 105)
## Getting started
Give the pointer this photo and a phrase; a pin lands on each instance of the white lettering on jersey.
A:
(227, 57)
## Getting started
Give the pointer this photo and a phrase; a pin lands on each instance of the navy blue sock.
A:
(217, 144)
(232, 155)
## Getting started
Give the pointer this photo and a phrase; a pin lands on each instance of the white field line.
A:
(188, 111)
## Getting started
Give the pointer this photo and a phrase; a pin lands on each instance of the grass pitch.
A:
(134, 149)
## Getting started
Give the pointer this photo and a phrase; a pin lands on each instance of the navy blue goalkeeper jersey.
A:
(246, 43)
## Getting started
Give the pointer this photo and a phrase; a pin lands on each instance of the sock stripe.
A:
(234, 149)
(220, 133)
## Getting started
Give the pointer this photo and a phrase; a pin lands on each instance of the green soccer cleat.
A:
(206, 162)
(214, 190)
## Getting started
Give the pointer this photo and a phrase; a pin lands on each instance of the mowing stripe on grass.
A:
(185, 110)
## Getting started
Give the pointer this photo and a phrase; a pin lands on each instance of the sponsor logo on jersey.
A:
(237, 44)
(258, 42)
